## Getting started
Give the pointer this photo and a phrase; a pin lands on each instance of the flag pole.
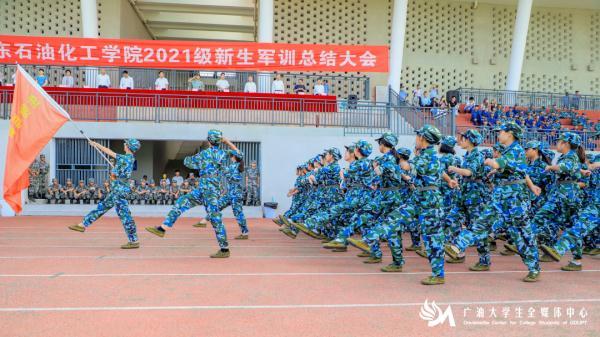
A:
(76, 126)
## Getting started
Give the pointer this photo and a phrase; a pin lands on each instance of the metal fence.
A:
(339, 85)
(76, 160)
(531, 98)
(169, 107)
(549, 136)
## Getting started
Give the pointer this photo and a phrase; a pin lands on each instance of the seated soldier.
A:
(92, 191)
(54, 192)
(185, 188)
(153, 189)
(132, 195)
(103, 191)
(81, 194)
(162, 193)
(142, 193)
(173, 192)
(68, 191)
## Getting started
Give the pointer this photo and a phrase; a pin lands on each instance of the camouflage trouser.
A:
(318, 222)
(498, 215)
(592, 240)
(54, 195)
(554, 213)
(234, 198)
(586, 221)
(252, 194)
(207, 195)
(467, 214)
(122, 206)
(429, 218)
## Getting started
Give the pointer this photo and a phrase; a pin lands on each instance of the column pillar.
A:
(89, 29)
(265, 35)
(397, 43)
(519, 41)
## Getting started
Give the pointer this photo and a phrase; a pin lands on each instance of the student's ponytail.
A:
(581, 153)
(396, 155)
(240, 165)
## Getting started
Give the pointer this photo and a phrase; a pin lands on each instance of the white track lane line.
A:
(153, 257)
(479, 274)
(294, 306)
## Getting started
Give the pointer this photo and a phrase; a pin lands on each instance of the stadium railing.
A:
(531, 98)
(166, 106)
(178, 79)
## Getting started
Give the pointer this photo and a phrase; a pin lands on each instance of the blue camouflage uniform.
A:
(119, 189)
(358, 182)
(563, 200)
(474, 192)
(425, 207)
(328, 190)
(209, 163)
(587, 220)
(395, 193)
(451, 196)
(235, 193)
(508, 207)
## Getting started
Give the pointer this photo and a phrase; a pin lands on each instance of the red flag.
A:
(34, 119)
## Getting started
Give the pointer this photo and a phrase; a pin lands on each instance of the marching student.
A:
(119, 188)
(210, 163)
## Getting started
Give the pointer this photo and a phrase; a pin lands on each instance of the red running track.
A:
(55, 282)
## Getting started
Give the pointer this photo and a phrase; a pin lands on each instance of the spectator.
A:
(41, 78)
(425, 100)
(126, 81)
(222, 84)
(574, 100)
(167, 180)
(177, 178)
(402, 94)
(453, 105)
(103, 80)
(566, 101)
(191, 179)
(433, 93)
(417, 92)
(277, 87)
(250, 85)
(319, 88)
(161, 83)
(300, 88)
(470, 105)
(67, 80)
(195, 83)
(326, 86)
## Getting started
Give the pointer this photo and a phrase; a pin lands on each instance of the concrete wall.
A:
(282, 148)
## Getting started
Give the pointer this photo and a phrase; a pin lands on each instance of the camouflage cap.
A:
(449, 141)
(214, 136)
(473, 136)
(534, 144)
(133, 144)
(337, 155)
(430, 133)
(571, 138)
(511, 127)
(403, 151)
(364, 147)
(350, 148)
(389, 138)
(91, 180)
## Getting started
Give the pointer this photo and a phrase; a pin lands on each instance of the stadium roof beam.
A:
(230, 20)
(178, 34)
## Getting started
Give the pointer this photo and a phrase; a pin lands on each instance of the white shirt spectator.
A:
(222, 85)
(67, 81)
(278, 87)
(250, 87)
(178, 180)
(161, 83)
(319, 89)
(126, 82)
(103, 80)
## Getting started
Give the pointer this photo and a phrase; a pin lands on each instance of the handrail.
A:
(532, 98)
